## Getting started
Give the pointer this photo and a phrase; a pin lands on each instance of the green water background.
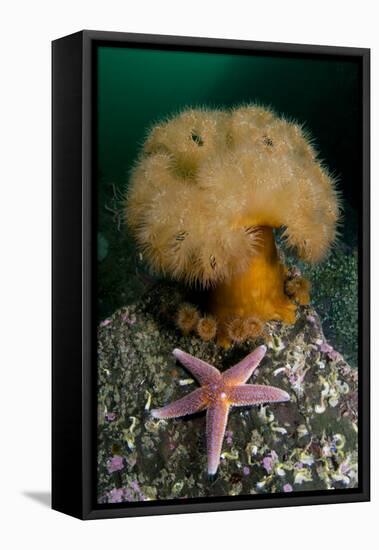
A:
(138, 87)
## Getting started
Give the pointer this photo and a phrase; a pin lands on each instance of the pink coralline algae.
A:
(115, 495)
(135, 486)
(246, 470)
(115, 464)
(133, 492)
(269, 461)
(326, 348)
(106, 322)
(111, 416)
(229, 437)
(128, 319)
(287, 488)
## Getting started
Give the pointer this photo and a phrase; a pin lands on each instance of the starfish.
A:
(217, 394)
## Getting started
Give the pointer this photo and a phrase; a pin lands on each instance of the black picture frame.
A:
(74, 277)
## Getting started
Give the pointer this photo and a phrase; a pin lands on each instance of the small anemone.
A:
(298, 288)
(207, 328)
(236, 330)
(253, 327)
(187, 318)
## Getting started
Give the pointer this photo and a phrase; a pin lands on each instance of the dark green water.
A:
(137, 87)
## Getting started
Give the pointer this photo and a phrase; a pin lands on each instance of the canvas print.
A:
(228, 200)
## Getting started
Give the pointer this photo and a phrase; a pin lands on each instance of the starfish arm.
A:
(217, 416)
(191, 403)
(202, 371)
(252, 394)
(242, 371)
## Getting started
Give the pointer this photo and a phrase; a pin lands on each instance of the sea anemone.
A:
(240, 329)
(187, 318)
(206, 194)
(206, 328)
(298, 288)
(254, 327)
(236, 330)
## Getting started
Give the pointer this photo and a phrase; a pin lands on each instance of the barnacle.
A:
(206, 194)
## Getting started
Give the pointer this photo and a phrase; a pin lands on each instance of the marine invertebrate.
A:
(187, 318)
(254, 327)
(206, 328)
(236, 330)
(298, 288)
(115, 464)
(207, 192)
(240, 329)
(218, 392)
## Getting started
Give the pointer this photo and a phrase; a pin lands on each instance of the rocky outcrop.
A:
(308, 443)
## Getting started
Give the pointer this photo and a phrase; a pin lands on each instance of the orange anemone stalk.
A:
(258, 291)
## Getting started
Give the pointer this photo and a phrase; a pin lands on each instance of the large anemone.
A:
(207, 192)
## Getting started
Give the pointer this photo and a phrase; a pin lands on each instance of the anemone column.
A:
(256, 292)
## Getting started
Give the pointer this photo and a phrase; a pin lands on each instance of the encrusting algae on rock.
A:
(208, 191)
(309, 442)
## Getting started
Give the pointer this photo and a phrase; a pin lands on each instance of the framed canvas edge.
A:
(86, 493)
(91, 36)
(67, 365)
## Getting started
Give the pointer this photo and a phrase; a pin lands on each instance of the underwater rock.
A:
(307, 443)
(335, 292)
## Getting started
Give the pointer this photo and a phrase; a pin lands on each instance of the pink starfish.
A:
(218, 392)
